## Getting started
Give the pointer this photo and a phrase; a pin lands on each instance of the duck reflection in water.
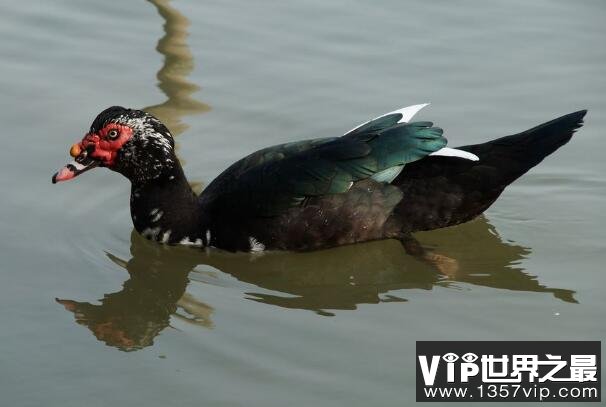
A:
(324, 281)
(131, 318)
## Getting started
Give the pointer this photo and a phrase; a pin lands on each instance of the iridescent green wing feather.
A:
(277, 178)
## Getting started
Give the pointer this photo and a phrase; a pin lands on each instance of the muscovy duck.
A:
(384, 179)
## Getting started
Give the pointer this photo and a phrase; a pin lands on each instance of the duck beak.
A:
(82, 163)
(73, 169)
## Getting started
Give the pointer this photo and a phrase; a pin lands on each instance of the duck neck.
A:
(165, 209)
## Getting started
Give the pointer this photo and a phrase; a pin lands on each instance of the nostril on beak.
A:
(75, 150)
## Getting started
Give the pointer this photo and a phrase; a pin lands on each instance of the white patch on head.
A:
(453, 152)
(172, 177)
(406, 112)
(166, 236)
(186, 242)
(148, 134)
(255, 245)
(156, 214)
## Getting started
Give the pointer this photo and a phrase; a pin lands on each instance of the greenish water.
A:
(139, 324)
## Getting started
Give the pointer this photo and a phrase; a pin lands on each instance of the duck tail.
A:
(515, 155)
(444, 191)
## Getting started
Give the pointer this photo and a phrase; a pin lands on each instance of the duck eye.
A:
(112, 134)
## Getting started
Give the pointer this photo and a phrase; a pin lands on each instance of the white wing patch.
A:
(388, 174)
(406, 112)
(453, 152)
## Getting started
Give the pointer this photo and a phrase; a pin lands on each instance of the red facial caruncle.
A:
(100, 148)
(106, 142)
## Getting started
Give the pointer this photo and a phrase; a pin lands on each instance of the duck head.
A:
(131, 142)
